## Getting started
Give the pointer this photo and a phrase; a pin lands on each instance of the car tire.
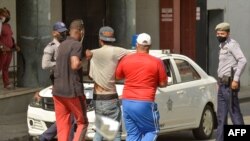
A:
(205, 129)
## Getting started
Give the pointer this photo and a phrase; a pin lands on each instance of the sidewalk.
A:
(14, 127)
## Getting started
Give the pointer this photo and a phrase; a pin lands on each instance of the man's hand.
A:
(89, 54)
(17, 48)
(234, 85)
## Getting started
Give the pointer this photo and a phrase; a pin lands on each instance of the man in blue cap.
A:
(50, 51)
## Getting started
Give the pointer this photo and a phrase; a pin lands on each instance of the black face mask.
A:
(62, 37)
(221, 39)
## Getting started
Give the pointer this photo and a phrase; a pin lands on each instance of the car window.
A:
(169, 72)
(186, 70)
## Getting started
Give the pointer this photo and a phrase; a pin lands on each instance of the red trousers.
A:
(63, 108)
(5, 59)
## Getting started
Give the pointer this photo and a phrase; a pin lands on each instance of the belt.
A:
(224, 80)
(105, 96)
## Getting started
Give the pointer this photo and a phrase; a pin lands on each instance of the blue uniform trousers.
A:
(141, 120)
(225, 107)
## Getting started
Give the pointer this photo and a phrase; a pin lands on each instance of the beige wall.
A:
(147, 20)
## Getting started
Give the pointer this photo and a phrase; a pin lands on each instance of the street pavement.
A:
(13, 127)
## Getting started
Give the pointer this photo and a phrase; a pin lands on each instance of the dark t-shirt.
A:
(68, 83)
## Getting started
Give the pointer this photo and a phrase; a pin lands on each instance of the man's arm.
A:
(46, 61)
(75, 62)
(121, 52)
(163, 78)
(88, 54)
(163, 84)
(119, 73)
(241, 59)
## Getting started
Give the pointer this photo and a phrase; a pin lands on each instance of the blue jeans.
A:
(141, 120)
(111, 109)
(224, 107)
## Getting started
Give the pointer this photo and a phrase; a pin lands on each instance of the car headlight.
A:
(36, 101)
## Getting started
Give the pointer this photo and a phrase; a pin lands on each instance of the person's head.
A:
(222, 31)
(143, 42)
(76, 29)
(106, 35)
(59, 31)
(4, 15)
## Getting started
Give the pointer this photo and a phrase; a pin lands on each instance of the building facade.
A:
(183, 26)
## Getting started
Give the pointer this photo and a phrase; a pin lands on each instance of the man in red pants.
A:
(68, 92)
(6, 46)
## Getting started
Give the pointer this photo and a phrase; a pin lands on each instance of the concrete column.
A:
(121, 15)
(148, 20)
(33, 34)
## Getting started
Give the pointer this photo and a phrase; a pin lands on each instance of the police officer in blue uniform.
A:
(232, 63)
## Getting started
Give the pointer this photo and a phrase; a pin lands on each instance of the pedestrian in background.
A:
(7, 46)
(143, 73)
(232, 63)
(68, 92)
(102, 70)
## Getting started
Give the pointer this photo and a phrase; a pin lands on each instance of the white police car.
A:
(188, 102)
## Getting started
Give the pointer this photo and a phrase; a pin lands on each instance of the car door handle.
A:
(180, 92)
(202, 88)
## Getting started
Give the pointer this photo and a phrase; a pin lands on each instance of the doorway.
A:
(94, 15)
(214, 17)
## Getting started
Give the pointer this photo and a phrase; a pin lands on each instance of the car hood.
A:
(88, 90)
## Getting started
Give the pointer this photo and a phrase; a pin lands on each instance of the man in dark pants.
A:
(231, 61)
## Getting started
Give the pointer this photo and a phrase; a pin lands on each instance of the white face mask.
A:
(3, 19)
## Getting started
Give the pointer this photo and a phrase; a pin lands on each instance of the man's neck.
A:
(142, 51)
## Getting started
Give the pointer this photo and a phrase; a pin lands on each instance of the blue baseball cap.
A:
(59, 27)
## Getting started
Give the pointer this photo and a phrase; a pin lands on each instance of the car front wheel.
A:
(205, 129)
